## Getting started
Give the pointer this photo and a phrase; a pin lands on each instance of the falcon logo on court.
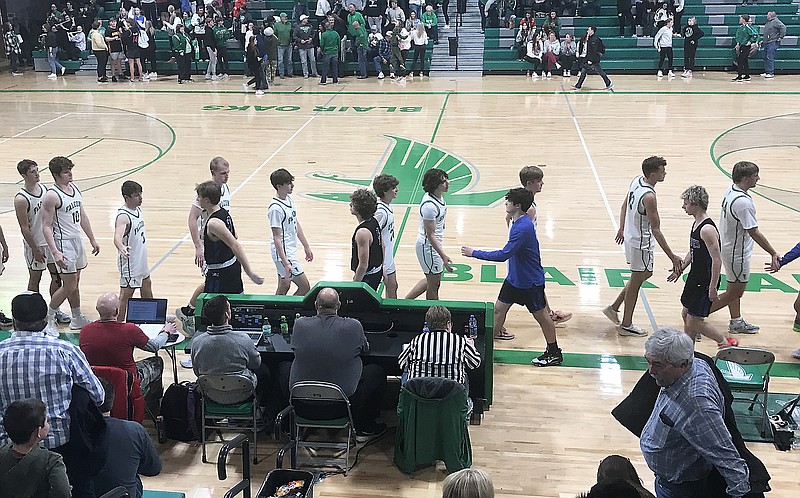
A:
(408, 160)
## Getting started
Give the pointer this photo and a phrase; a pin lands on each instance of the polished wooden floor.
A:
(592, 143)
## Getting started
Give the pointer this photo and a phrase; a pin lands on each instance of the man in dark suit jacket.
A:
(590, 50)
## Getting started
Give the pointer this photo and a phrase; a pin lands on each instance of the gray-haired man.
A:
(774, 30)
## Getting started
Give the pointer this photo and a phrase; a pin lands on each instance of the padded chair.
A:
(747, 372)
(306, 401)
(131, 406)
(230, 397)
(432, 424)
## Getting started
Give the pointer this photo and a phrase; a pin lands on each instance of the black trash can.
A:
(452, 44)
(280, 477)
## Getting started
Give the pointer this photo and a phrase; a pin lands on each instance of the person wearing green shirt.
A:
(329, 42)
(362, 40)
(431, 23)
(283, 30)
(184, 51)
(222, 34)
(746, 37)
(352, 17)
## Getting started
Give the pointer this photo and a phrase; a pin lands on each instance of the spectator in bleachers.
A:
(663, 43)
(662, 15)
(419, 42)
(300, 9)
(113, 37)
(303, 36)
(322, 11)
(138, 18)
(353, 15)
(648, 16)
(149, 53)
(590, 8)
(54, 16)
(691, 37)
(394, 14)
(374, 38)
(270, 64)
(534, 51)
(149, 10)
(184, 53)
(404, 41)
(590, 51)
(413, 21)
(384, 56)
(83, 18)
(360, 47)
(746, 39)
(283, 31)
(100, 51)
(210, 42)
(253, 59)
(130, 40)
(773, 32)
(243, 19)
(51, 44)
(415, 6)
(552, 24)
(396, 62)
(677, 12)
(569, 8)
(431, 22)
(330, 45)
(527, 30)
(13, 50)
(567, 55)
(542, 6)
(374, 11)
(221, 36)
(199, 29)
(186, 6)
(625, 16)
(445, 7)
(552, 48)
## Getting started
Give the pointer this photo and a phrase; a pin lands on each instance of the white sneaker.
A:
(208, 76)
(259, 92)
(391, 75)
(740, 326)
(187, 363)
(796, 354)
(62, 317)
(51, 328)
(632, 330)
(535, 75)
(153, 75)
(611, 314)
(381, 76)
(769, 75)
(244, 85)
(671, 74)
(660, 74)
(569, 73)
(63, 70)
(216, 78)
(52, 76)
(78, 322)
(549, 74)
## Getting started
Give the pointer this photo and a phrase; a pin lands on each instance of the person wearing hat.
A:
(283, 30)
(303, 34)
(45, 368)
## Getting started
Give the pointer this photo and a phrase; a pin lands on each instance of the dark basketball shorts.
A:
(532, 298)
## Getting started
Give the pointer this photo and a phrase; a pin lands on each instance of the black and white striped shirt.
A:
(439, 353)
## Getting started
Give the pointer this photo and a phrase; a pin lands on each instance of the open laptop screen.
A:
(142, 311)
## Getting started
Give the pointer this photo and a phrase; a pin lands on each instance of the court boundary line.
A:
(406, 92)
(261, 166)
(642, 295)
(34, 128)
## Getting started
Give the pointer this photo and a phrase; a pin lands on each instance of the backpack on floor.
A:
(182, 410)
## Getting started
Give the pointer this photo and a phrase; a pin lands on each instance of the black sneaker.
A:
(377, 430)
(5, 322)
(548, 359)
(114, 79)
(738, 78)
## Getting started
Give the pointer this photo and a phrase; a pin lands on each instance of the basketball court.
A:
(547, 429)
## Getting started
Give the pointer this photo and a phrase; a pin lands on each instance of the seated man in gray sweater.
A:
(222, 350)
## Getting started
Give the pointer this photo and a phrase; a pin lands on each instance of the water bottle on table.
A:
(285, 329)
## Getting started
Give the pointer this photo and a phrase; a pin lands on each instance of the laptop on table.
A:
(150, 315)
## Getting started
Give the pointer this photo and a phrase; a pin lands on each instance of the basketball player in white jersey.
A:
(639, 229)
(220, 171)
(286, 231)
(131, 243)
(738, 228)
(63, 218)
(430, 252)
(385, 187)
(28, 207)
